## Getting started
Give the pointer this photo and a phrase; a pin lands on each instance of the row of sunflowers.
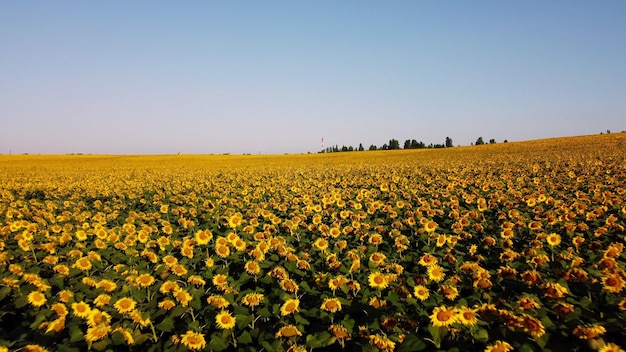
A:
(516, 246)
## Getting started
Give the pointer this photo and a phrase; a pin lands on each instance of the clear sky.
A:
(162, 77)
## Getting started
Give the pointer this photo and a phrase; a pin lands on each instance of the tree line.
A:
(394, 144)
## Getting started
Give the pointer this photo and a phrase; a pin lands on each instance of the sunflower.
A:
(252, 267)
(34, 348)
(427, 260)
(167, 304)
(289, 285)
(553, 239)
(436, 273)
(554, 290)
(203, 237)
(97, 317)
(179, 270)
(222, 251)
(377, 280)
(589, 332)
(331, 305)
(613, 282)
(125, 305)
(421, 292)
(449, 291)
(532, 325)
(499, 346)
(193, 340)
(377, 302)
(218, 301)
(339, 331)
(430, 226)
(290, 306)
(98, 332)
(168, 286)
(377, 258)
(220, 281)
(610, 347)
(60, 309)
(36, 299)
(467, 316)
(83, 264)
(443, 316)
(253, 299)
(144, 280)
(288, 331)
(81, 309)
(183, 297)
(224, 320)
(321, 244)
(382, 342)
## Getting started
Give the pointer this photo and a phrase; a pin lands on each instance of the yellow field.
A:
(491, 247)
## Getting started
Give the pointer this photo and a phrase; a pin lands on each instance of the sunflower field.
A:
(515, 246)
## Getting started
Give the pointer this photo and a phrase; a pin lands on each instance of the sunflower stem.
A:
(154, 335)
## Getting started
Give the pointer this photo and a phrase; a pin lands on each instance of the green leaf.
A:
(481, 335)
(218, 343)
(117, 338)
(166, 325)
(4, 292)
(76, 334)
(322, 339)
(300, 320)
(244, 338)
(243, 320)
(438, 333)
(412, 343)
(20, 301)
(40, 318)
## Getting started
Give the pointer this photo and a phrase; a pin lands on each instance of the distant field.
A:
(492, 247)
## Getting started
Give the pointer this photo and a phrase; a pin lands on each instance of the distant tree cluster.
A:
(393, 144)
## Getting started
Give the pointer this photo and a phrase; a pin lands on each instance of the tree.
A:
(407, 144)
(361, 147)
(449, 142)
(492, 141)
(384, 147)
(479, 141)
(372, 147)
(394, 144)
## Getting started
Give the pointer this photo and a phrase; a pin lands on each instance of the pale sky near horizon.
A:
(163, 77)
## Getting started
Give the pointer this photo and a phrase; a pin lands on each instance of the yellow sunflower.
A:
(610, 347)
(167, 304)
(97, 332)
(553, 239)
(36, 299)
(81, 309)
(377, 280)
(290, 306)
(252, 299)
(288, 331)
(443, 316)
(499, 346)
(193, 340)
(252, 267)
(125, 305)
(467, 316)
(225, 320)
(331, 305)
(421, 292)
(436, 273)
(613, 282)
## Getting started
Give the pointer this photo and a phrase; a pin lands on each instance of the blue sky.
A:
(162, 77)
